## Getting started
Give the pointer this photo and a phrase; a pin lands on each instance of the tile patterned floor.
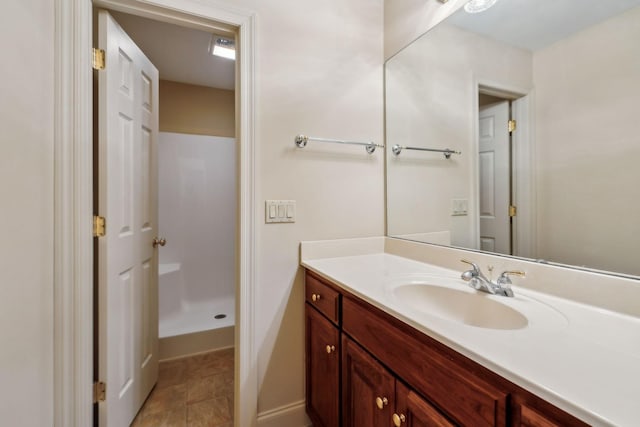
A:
(195, 391)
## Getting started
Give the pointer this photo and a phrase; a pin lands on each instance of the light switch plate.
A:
(459, 207)
(278, 211)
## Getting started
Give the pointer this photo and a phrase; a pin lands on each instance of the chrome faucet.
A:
(477, 280)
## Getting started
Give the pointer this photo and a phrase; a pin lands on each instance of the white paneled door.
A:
(494, 179)
(127, 198)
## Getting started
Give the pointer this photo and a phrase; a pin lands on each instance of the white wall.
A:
(431, 90)
(26, 213)
(319, 72)
(589, 198)
(197, 212)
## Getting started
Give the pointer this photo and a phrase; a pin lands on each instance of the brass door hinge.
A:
(99, 392)
(512, 211)
(99, 226)
(98, 60)
(512, 125)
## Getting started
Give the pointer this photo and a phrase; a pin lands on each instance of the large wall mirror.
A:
(538, 104)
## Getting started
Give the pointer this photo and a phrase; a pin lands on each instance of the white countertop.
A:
(583, 359)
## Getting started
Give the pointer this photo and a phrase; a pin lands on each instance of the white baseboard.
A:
(292, 415)
(196, 342)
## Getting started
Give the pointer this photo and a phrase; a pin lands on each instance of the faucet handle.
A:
(470, 275)
(472, 264)
(503, 279)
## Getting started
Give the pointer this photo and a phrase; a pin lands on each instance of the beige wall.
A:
(320, 76)
(431, 90)
(587, 92)
(320, 73)
(199, 110)
(26, 213)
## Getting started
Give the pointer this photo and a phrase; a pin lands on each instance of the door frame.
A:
(523, 157)
(73, 327)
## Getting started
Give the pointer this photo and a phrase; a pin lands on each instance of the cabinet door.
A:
(322, 369)
(368, 390)
(413, 411)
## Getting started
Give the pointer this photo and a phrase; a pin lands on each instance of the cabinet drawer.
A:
(467, 399)
(323, 297)
(530, 418)
(529, 411)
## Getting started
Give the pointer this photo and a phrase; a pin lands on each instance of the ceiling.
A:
(180, 53)
(519, 22)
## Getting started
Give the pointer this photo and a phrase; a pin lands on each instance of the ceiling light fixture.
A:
(222, 46)
(477, 6)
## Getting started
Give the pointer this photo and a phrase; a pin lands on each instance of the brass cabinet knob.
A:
(159, 241)
(331, 348)
(315, 297)
(381, 402)
(398, 419)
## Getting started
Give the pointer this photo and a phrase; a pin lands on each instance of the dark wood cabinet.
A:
(414, 411)
(322, 297)
(322, 369)
(528, 410)
(373, 396)
(531, 418)
(466, 398)
(393, 374)
(368, 389)
(322, 321)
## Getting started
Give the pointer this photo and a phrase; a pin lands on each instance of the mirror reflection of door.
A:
(494, 178)
(504, 183)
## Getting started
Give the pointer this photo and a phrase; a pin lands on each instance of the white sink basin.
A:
(454, 301)
(474, 309)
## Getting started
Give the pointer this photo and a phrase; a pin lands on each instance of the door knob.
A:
(159, 242)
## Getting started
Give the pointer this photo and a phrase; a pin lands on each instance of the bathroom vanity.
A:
(379, 356)
(394, 335)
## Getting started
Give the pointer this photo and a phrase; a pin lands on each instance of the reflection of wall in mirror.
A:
(406, 20)
(588, 98)
(431, 97)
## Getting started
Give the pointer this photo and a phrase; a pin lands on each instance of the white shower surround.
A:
(197, 215)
